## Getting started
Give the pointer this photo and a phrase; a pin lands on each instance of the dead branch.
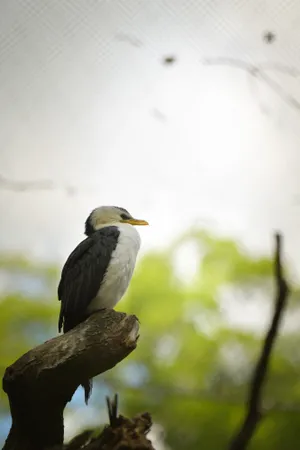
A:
(125, 434)
(253, 413)
(43, 381)
(121, 433)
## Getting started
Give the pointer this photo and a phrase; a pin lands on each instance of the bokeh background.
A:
(187, 114)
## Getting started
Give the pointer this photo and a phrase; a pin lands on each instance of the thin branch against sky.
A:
(259, 71)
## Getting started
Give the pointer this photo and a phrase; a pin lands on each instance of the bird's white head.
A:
(109, 215)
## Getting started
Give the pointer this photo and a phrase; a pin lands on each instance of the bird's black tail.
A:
(87, 386)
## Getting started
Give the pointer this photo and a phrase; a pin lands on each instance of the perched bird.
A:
(97, 273)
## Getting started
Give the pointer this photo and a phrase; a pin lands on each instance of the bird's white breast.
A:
(120, 269)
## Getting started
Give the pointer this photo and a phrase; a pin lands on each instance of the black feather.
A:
(81, 279)
(89, 229)
(83, 274)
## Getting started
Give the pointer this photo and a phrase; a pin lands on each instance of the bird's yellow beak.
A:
(135, 221)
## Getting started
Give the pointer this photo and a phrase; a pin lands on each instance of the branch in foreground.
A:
(43, 381)
(253, 413)
(121, 433)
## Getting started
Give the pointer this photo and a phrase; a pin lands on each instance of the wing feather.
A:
(83, 274)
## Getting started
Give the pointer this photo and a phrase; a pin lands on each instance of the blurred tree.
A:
(27, 311)
(194, 359)
(192, 365)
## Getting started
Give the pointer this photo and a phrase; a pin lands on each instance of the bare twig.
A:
(259, 72)
(36, 185)
(254, 414)
(43, 381)
(112, 407)
(20, 186)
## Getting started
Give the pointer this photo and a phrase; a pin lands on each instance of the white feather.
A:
(120, 269)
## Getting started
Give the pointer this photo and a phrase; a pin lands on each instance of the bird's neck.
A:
(129, 235)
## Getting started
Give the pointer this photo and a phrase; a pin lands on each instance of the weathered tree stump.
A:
(43, 381)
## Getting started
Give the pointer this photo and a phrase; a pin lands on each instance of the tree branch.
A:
(43, 381)
(36, 185)
(121, 433)
(253, 414)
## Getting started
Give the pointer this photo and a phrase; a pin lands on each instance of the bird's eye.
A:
(125, 216)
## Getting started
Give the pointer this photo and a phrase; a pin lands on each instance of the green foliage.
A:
(192, 366)
(26, 317)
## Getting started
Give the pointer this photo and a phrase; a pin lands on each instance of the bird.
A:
(97, 273)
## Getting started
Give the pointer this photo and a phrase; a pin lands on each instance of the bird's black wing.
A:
(82, 275)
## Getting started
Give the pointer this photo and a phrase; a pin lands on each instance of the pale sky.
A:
(85, 100)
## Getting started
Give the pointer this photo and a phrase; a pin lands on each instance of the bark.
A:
(120, 434)
(43, 381)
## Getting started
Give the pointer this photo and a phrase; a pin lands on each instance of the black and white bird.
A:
(97, 273)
